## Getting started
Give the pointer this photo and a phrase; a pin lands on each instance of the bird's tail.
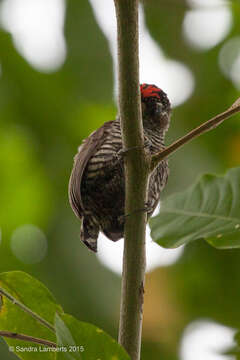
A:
(89, 233)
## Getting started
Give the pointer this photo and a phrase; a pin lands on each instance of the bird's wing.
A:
(88, 148)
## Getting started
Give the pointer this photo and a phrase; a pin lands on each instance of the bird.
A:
(97, 183)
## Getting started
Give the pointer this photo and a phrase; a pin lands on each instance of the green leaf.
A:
(36, 297)
(209, 209)
(85, 341)
(65, 340)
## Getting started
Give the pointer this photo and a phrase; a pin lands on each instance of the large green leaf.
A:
(85, 341)
(36, 297)
(76, 340)
(209, 209)
(66, 341)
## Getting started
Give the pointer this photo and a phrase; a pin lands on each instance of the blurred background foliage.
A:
(44, 115)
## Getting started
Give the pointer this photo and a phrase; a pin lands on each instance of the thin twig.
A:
(26, 309)
(206, 126)
(27, 338)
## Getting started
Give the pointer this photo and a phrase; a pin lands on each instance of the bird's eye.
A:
(149, 100)
(152, 100)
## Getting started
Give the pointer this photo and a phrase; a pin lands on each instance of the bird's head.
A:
(156, 108)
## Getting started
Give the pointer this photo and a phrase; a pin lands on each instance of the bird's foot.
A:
(123, 152)
(147, 208)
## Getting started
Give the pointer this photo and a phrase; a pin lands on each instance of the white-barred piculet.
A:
(97, 184)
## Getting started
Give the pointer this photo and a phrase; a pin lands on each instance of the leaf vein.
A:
(200, 214)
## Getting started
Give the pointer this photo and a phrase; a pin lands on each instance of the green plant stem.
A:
(136, 176)
(27, 338)
(138, 166)
(26, 309)
(203, 128)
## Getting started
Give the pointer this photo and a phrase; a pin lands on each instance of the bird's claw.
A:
(147, 208)
(120, 154)
(123, 152)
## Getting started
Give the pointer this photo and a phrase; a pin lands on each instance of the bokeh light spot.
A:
(206, 340)
(172, 76)
(229, 60)
(207, 23)
(29, 244)
(37, 29)
(110, 254)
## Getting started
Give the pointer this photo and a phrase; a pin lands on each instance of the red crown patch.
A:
(150, 91)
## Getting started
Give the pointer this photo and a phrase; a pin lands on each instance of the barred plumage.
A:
(97, 188)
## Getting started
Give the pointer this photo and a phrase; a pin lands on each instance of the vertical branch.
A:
(136, 175)
(137, 169)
